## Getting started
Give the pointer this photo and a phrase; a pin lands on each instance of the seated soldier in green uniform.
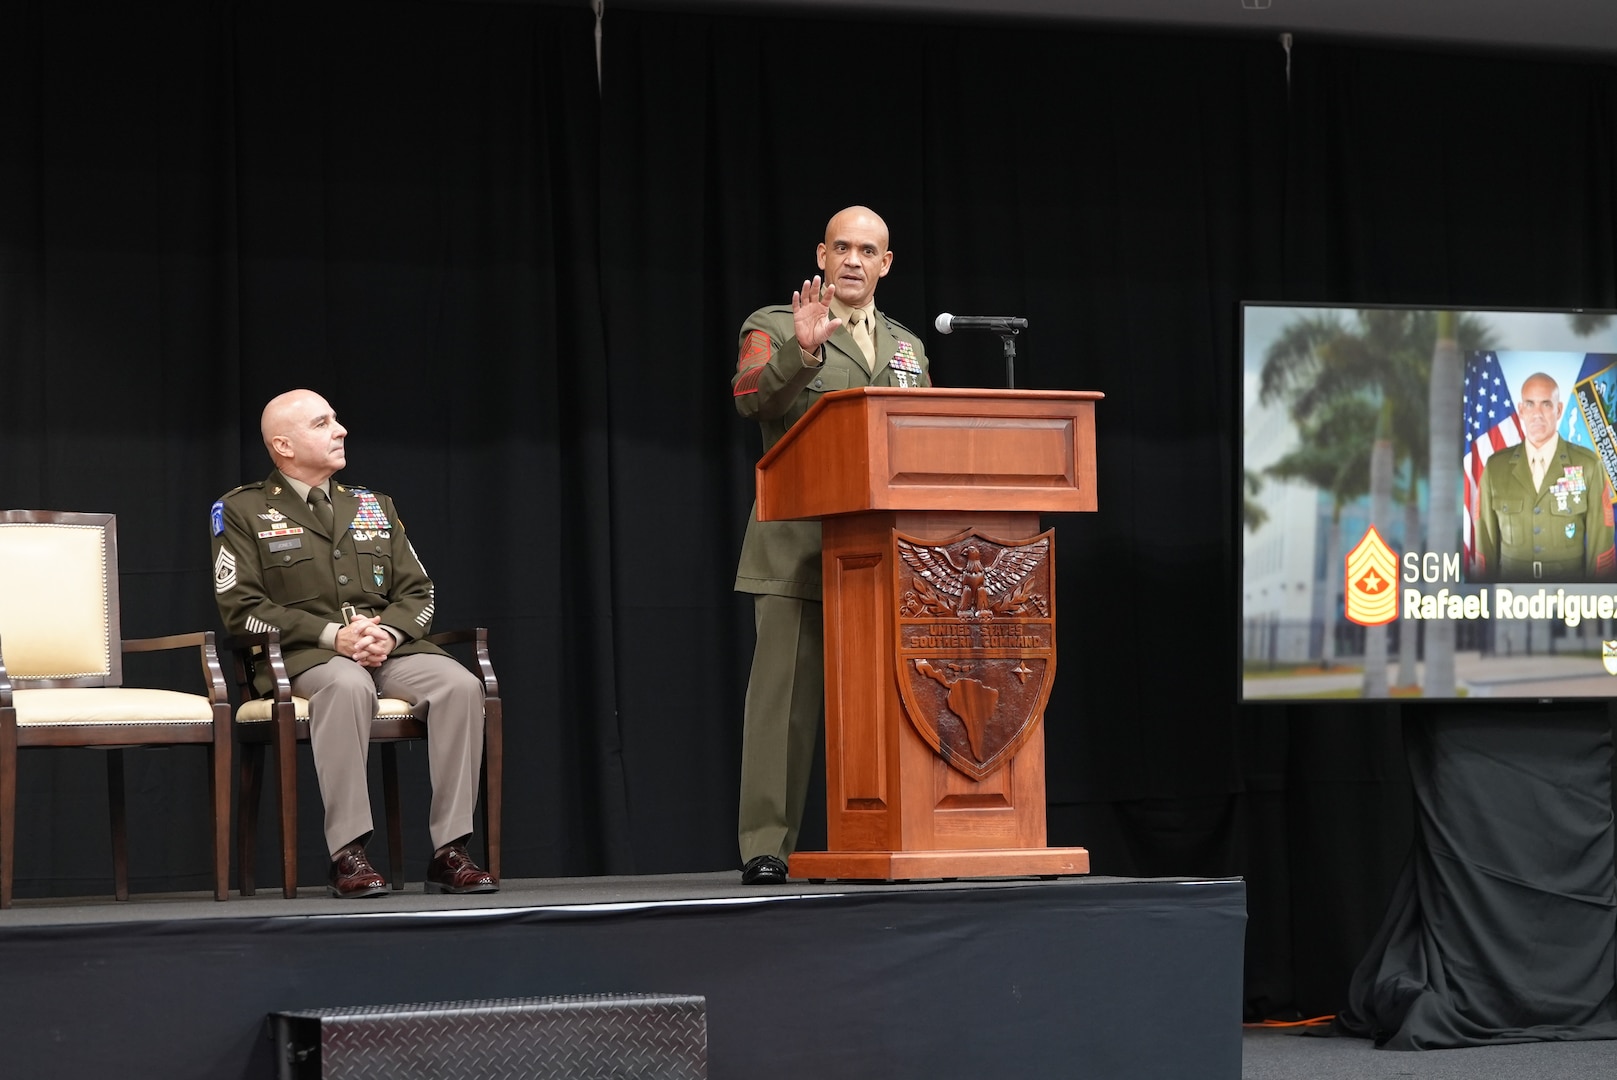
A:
(330, 566)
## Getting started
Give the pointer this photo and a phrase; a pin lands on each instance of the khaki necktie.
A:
(1539, 465)
(320, 503)
(859, 327)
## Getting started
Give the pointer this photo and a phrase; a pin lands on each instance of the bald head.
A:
(282, 410)
(855, 255)
(303, 437)
(1540, 409)
(853, 217)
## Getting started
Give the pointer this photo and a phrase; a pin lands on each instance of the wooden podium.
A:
(939, 620)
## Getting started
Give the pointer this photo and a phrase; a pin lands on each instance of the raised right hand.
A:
(811, 314)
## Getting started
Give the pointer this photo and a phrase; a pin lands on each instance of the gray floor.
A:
(1293, 1055)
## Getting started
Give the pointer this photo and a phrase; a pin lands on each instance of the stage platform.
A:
(1084, 976)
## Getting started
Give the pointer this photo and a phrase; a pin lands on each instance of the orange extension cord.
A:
(1314, 1022)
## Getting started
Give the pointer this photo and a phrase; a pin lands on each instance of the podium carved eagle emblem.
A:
(976, 643)
(975, 589)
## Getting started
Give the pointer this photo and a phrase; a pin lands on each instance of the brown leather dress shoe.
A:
(352, 876)
(453, 871)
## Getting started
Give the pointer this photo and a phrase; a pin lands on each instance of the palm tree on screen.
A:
(1587, 323)
(1373, 356)
(1443, 518)
(1252, 515)
(1456, 334)
(1333, 456)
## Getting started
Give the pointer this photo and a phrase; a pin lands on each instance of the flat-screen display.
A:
(1426, 503)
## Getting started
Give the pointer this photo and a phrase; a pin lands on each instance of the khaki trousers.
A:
(342, 703)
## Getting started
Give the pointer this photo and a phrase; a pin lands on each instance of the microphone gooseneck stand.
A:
(1006, 326)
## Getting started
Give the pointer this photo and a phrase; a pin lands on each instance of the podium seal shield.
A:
(975, 652)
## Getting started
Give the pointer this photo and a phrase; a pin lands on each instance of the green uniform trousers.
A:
(785, 696)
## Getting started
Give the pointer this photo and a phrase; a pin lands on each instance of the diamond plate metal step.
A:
(583, 1037)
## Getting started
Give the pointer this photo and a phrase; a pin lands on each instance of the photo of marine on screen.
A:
(1541, 508)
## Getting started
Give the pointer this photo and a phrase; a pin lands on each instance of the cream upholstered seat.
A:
(281, 721)
(61, 675)
(262, 710)
(66, 706)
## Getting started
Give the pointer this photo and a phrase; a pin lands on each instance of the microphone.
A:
(1004, 324)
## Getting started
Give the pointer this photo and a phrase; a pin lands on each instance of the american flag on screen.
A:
(1491, 425)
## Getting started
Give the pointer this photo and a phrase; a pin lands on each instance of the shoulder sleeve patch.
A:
(216, 518)
(224, 570)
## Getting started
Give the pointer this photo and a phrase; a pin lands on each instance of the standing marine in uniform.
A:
(830, 337)
(1544, 507)
(330, 567)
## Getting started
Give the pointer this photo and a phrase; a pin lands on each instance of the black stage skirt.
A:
(1503, 925)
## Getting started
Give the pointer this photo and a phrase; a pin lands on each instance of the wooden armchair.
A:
(281, 721)
(61, 676)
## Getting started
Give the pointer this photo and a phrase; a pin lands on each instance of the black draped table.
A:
(1503, 925)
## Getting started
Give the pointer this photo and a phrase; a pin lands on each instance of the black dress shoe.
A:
(352, 876)
(763, 870)
(453, 871)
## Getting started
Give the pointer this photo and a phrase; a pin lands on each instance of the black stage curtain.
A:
(203, 205)
(521, 290)
(728, 142)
